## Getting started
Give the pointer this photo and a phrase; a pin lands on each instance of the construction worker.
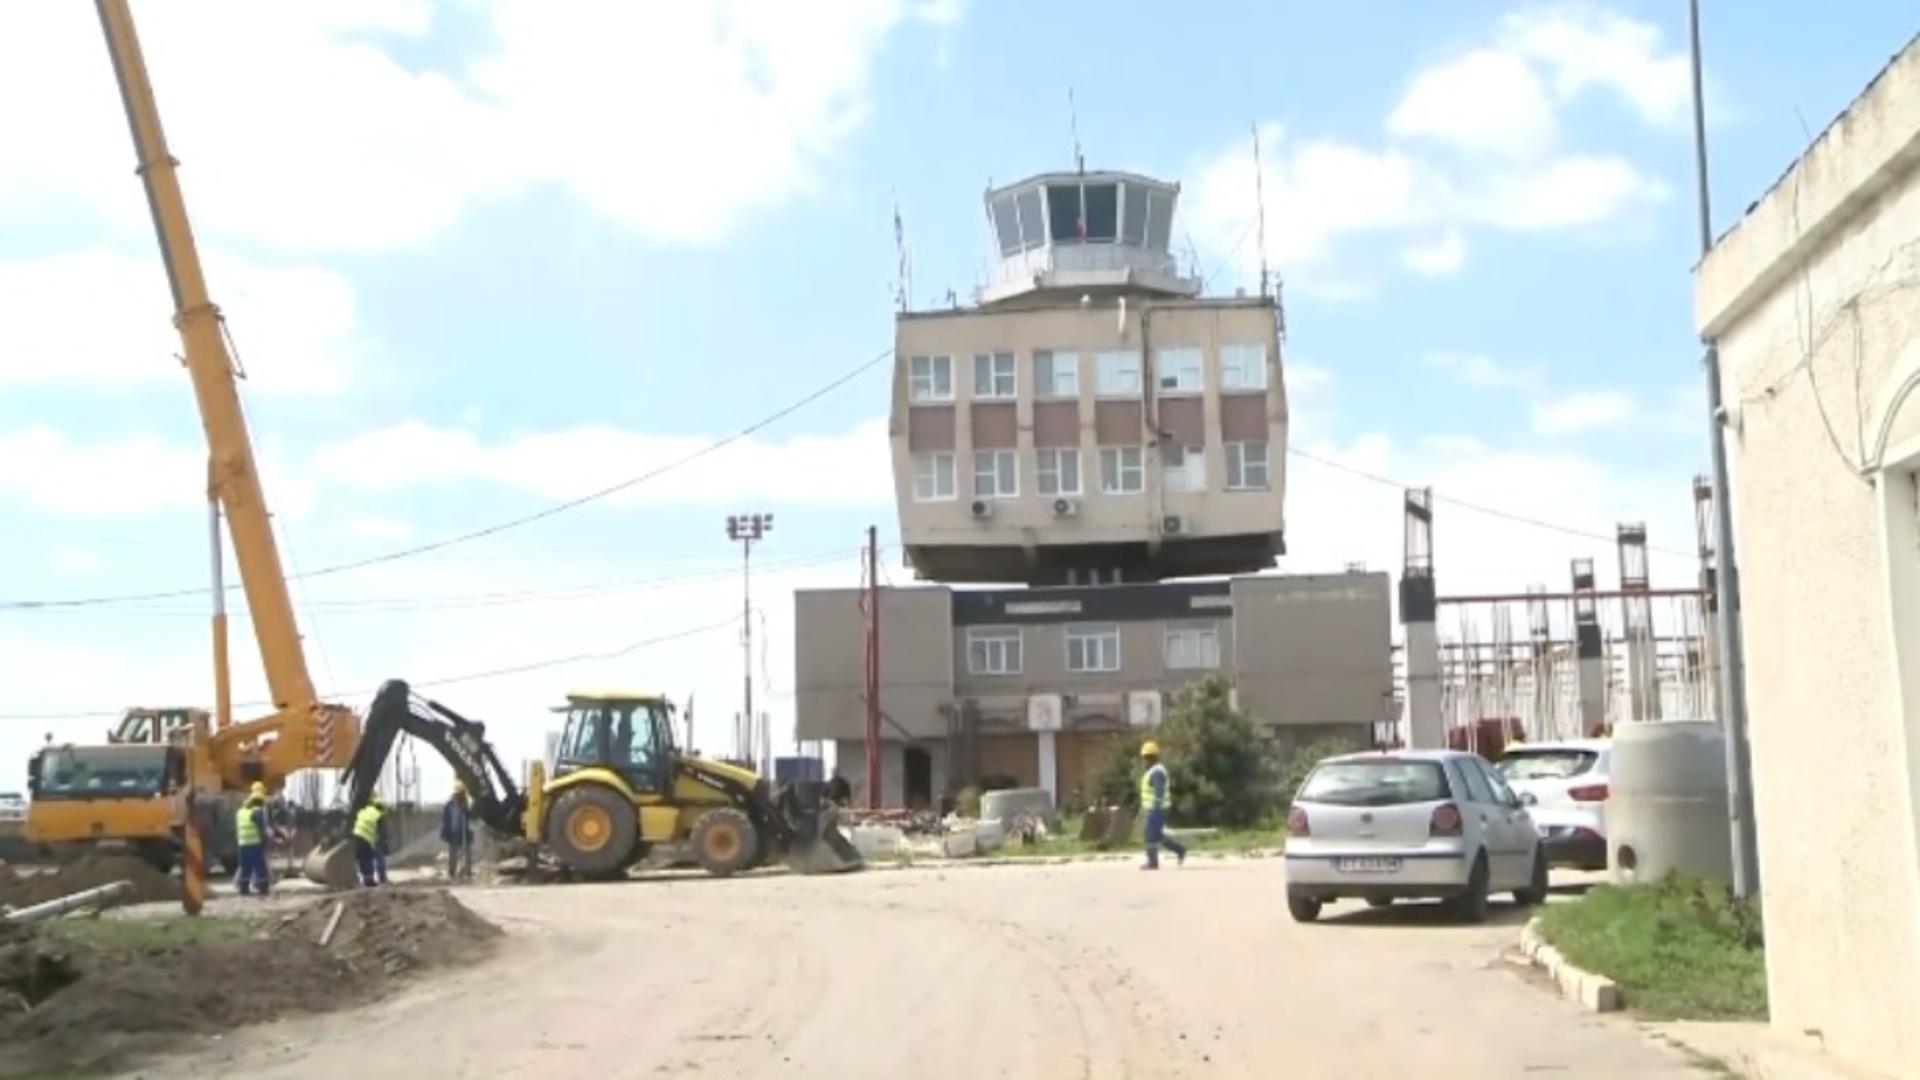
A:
(250, 833)
(1156, 795)
(370, 841)
(456, 828)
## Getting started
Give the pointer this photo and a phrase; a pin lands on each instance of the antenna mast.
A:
(903, 284)
(1260, 207)
(1073, 124)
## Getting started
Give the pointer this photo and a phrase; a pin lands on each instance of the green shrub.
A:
(1221, 768)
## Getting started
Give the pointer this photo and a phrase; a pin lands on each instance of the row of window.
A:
(1056, 373)
(1056, 471)
(1091, 647)
(1092, 213)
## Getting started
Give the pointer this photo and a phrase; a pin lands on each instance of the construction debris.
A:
(90, 871)
(96, 897)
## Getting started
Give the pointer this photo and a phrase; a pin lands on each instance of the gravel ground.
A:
(1036, 971)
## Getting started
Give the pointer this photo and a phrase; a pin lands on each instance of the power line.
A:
(498, 527)
(447, 680)
(1479, 508)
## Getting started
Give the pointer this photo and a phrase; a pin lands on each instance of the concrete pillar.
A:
(1588, 649)
(1049, 765)
(1426, 728)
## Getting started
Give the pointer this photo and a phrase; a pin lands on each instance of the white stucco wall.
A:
(1814, 299)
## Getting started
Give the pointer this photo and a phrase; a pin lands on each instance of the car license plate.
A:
(1366, 866)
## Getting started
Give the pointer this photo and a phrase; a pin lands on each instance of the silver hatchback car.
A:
(1410, 824)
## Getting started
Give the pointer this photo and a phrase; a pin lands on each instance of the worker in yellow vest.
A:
(250, 835)
(1156, 796)
(370, 841)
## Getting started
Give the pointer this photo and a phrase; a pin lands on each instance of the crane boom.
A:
(232, 474)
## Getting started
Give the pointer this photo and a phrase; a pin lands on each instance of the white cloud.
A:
(1583, 411)
(854, 467)
(1476, 369)
(1443, 256)
(1565, 193)
(134, 474)
(1583, 47)
(1486, 100)
(1303, 378)
(337, 144)
(102, 319)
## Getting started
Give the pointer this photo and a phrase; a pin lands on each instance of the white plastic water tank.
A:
(1667, 801)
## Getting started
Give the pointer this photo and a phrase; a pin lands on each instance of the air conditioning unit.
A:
(982, 509)
(1143, 708)
(1066, 508)
(1043, 712)
(1173, 525)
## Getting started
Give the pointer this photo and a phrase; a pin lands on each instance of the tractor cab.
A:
(626, 732)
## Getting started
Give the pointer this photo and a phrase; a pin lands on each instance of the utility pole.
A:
(1733, 690)
(747, 530)
(873, 668)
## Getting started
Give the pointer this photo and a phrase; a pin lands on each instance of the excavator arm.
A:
(397, 711)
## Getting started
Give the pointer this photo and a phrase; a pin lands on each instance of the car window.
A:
(1546, 763)
(1477, 789)
(1374, 782)
(1502, 794)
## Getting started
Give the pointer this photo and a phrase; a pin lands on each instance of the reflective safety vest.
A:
(366, 824)
(1148, 800)
(246, 831)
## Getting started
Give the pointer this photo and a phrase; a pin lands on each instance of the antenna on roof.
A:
(1073, 124)
(1260, 204)
(903, 283)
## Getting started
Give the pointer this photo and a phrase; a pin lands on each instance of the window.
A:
(1246, 466)
(1063, 210)
(1193, 645)
(1374, 782)
(1118, 373)
(1559, 763)
(1477, 789)
(1056, 374)
(1121, 472)
(1017, 223)
(1183, 468)
(1243, 367)
(994, 375)
(932, 477)
(1093, 647)
(993, 650)
(1133, 215)
(996, 474)
(1178, 371)
(1159, 219)
(1057, 472)
(1103, 206)
(930, 378)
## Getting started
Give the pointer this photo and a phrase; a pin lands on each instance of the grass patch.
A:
(1683, 949)
(148, 933)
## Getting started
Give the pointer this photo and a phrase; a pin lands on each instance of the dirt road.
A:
(1083, 971)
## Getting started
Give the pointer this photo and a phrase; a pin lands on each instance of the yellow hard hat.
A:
(259, 790)
(1149, 749)
(459, 788)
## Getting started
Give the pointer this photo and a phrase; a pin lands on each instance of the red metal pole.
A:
(873, 668)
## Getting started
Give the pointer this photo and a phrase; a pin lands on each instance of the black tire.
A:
(724, 842)
(1535, 893)
(1471, 905)
(1302, 907)
(592, 830)
(1379, 901)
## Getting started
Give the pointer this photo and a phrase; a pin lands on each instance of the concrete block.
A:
(960, 843)
(877, 841)
(1012, 802)
(990, 835)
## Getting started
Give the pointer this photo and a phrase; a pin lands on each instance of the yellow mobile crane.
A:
(222, 757)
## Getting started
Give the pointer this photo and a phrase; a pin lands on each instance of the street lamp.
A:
(747, 530)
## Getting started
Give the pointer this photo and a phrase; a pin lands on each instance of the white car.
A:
(1410, 824)
(1564, 785)
(13, 806)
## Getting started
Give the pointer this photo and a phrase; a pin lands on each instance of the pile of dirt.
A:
(119, 1000)
(86, 872)
(394, 931)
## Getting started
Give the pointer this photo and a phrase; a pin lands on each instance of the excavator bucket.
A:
(332, 865)
(818, 846)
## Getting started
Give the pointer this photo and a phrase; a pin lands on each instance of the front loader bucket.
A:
(818, 846)
(333, 865)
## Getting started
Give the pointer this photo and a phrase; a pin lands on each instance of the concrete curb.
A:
(1595, 993)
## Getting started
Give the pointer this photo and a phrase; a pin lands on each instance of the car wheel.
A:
(592, 830)
(1471, 905)
(1536, 891)
(1379, 901)
(724, 842)
(1302, 907)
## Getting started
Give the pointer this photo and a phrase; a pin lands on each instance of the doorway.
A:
(919, 777)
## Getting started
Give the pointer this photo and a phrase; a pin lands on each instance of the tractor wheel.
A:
(592, 830)
(724, 842)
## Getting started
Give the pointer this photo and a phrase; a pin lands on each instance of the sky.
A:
(483, 258)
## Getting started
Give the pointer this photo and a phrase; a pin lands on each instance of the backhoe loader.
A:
(619, 788)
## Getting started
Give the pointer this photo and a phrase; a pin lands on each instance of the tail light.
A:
(1588, 793)
(1297, 823)
(1445, 821)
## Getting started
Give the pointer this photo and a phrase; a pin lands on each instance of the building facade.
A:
(1092, 418)
(1814, 301)
(1032, 685)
